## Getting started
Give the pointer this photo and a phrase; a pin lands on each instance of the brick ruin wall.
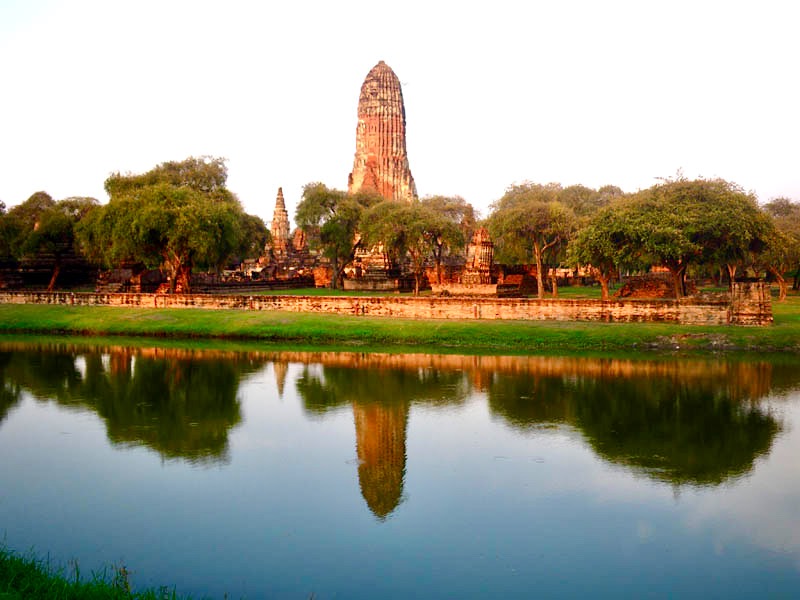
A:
(749, 304)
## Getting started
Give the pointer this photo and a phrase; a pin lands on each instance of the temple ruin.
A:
(381, 160)
(279, 244)
(286, 254)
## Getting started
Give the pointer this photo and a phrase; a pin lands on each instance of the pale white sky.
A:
(592, 92)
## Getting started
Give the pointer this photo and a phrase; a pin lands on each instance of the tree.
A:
(254, 238)
(454, 223)
(785, 250)
(177, 216)
(585, 201)
(410, 230)
(679, 222)
(6, 233)
(23, 219)
(597, 246)
(41, 227)
(529, 222)
(330, 219)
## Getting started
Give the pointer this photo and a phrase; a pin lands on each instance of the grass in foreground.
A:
(31, 578)
(383, 332)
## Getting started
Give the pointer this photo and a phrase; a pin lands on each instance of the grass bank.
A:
(32, 578)
(378, 332)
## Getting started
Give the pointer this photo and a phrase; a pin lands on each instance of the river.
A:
(275, 474)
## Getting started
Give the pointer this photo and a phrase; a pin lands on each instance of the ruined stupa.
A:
(381, 161)
(280, 226)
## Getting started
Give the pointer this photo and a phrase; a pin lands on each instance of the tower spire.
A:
(280, 224)
(381, 160)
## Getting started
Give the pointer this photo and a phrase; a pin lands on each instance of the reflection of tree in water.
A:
(698, 431)
(333, 387)
(181, 403)
(684, 433)
(526, 401)
(181, 408)
(9, 390)
(381, 399)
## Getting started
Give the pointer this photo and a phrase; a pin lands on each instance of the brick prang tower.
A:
(381, 161)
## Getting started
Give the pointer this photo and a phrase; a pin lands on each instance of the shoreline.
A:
(384, 333)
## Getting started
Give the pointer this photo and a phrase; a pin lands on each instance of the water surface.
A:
(281, 475)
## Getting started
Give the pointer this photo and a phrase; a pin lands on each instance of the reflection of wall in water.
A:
(741, 380)
(381, 449)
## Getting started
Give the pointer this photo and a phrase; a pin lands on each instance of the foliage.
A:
(204, 174)
(254, 236)
(529, 223)
(414, 230)
(455, 223)
(585, 201)
(20, 220)
(675, 224)
(42, 227)
(330, 219)
(783, 251)
(177, 216)
(597, 246)
(702, 221)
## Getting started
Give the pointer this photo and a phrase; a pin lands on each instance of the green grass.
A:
(384, 333)
(31, 578)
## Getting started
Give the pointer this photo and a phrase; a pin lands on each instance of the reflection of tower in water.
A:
(280, 368)
(381, 448)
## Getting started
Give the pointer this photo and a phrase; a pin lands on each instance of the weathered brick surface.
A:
(749, 305)
(381, 161)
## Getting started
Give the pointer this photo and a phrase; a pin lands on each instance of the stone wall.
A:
(749, 305)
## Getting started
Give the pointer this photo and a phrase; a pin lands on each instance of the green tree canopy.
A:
(330, 219)
(675, 224)
(177, 216)
(529, 223)
(41, 228)
(414, 230)
(703, 221)
(783, 249)
(597, 245)
(454, 224)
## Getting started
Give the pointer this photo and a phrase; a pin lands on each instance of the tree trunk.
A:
(731, 275)
(603, 286)
(334, 275)
(437, 256)
(782, 285)
(185, 279)
(56, 270)
(539, 277)
(677, 279)
(554, 282)
(416, 284)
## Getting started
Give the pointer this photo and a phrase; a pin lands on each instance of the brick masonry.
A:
(749, 304)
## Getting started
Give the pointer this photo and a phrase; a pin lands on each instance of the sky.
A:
(496, 93)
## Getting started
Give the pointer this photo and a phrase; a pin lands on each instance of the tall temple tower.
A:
(381, 161)
(280, 225)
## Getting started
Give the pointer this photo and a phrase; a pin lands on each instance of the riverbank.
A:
(31, 578)
(379, 332)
